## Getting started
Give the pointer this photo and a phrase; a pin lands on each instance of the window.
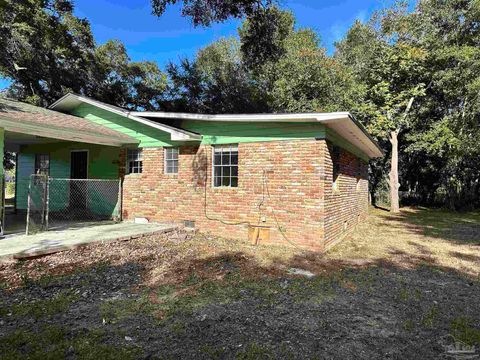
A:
(336, 167)
(225, 166)
(134, 161)
(171, 161)
(42, 164)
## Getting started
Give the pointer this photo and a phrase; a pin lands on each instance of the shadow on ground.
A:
(231, 306)
(460, 228)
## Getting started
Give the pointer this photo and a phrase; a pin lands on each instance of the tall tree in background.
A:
(394, 74)
(47, 51)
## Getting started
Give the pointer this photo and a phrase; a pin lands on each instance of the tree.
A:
(47, 51)
(215, 82)
(206, 12)
(45, 48)
(394, 74)
(117, 80)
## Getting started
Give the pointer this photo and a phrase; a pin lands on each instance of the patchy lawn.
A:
(401, 286)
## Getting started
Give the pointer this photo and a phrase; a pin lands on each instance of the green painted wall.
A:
(222, 133)
(103, 164)
(148, 136)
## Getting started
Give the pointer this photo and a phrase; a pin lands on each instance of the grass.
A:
(415, 237)
(54, 342)
(41, 308)
(462, 329)
(181, 278)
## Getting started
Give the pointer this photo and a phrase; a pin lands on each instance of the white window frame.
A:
(220, 148)
(139, 158)
(166, 159)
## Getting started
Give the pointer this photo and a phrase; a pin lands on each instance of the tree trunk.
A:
(394, 184)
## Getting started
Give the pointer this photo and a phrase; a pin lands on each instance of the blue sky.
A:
(171, 37)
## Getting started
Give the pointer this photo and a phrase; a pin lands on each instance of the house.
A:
(282, 178)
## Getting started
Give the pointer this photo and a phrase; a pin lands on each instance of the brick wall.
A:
(280, 186)
(346, 205)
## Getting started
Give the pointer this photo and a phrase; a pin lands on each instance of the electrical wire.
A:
(265, 195)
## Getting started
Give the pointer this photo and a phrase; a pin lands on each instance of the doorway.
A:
(78, 171)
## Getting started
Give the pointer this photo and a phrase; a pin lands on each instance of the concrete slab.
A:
(24, 246)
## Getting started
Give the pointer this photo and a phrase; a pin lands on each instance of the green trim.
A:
(216, 133)
(337, 140)
(146, 135)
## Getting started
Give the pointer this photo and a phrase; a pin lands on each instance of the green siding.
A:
(148, 136)
(240, 132)
(103, 164)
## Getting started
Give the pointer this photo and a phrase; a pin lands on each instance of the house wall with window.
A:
(277, 176)
(279, 187)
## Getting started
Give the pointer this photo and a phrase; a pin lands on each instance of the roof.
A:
(70, 101)
(342, 123)
(19, 117)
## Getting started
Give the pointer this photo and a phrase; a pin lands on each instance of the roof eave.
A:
(62, 134)
(175, 133)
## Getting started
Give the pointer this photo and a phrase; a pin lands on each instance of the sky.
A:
(171, 37)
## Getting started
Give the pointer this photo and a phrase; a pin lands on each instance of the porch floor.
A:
(24, 246)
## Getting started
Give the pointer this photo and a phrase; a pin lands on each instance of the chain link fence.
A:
(56, 204)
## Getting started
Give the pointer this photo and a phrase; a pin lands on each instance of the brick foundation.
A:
(283, 185)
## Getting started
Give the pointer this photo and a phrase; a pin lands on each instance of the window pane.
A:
(217, 181)
(217, 171)
(234, 182)
(217, 159)
(234, 158)
(225, 181)
(226, 171)
(234, 170)
(226, 158)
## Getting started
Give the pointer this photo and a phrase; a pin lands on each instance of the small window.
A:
(225, 166)
(134, 161)
(171, 161)
(42, 164)
(336, 167)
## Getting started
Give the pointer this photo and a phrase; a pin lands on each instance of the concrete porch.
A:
(25, 246)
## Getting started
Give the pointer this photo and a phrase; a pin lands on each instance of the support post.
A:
(29, 204)
(47, 200)
(120, 198)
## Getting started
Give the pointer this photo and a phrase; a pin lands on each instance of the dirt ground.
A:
(403, 286)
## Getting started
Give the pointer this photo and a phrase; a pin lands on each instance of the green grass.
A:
(113, 311)
(41, 308)
(254, 351)
(463, 330)
(53, 342)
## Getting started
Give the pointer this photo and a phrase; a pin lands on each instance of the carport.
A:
(68, 169)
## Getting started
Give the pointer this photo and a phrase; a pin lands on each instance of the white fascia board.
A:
(176, 134)
(299, 117)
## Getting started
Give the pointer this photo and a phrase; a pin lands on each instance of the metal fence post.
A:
(47, 200)
(29, 204)
(120, 198)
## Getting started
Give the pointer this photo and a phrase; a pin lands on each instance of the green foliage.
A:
(48, 51)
